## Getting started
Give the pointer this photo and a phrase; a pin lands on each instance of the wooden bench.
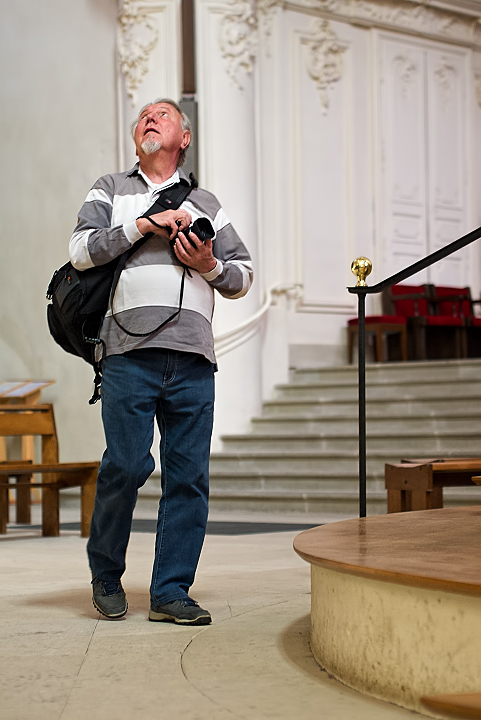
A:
(417, 484)
(38, 420)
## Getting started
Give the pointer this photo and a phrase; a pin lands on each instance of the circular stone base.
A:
(395, 642)
(396, 603)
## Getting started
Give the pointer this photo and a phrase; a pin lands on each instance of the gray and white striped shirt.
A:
(149, 287)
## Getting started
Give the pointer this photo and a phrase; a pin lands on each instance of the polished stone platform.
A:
(396, 602)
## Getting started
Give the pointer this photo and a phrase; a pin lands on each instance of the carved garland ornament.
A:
(446, 77)
(324, 59)
(477, 88)
(138, 36)
(238, 38)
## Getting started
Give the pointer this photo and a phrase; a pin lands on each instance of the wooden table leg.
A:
(3, 504)
(395, 501)
(50, 509)
(87, 503)
(419, 500)
(23, 489)
(436, 500)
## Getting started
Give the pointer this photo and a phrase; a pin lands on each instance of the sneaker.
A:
(109, 598)
(182, 612)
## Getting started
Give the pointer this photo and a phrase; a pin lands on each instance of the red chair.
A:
(442, 333)
(458, 301)
(399, 303)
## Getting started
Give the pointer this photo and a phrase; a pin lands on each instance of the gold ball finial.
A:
(361, 267)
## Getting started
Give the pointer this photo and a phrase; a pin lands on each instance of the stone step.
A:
(322, 502)
(292, 486)
(299, 482)
(400, 391)
(439, 406)
(402, 444)
(447, 371)
(302, 453)
(324, 463)
(338, 425)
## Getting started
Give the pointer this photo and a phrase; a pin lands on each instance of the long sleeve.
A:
(94, 241)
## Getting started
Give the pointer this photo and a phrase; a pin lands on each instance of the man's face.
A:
(160, 124)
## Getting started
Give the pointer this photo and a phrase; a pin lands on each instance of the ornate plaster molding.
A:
(238, 38)
(416, 16)
(243, 20)
(477, 88)
(446, 77)
(239, 28)
(407, 71)
(323, 59)
(423, 19)
(137, 36)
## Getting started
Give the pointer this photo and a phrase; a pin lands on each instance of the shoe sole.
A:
(111, 617)
(165, 617)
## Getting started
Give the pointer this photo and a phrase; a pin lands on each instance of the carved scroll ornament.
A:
(138, 36)
(238, 38)
(477, 88)
(239, 34)
(323, 59)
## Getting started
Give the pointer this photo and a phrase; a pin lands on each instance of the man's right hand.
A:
(167, 221)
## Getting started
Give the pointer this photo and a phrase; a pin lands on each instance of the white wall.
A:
(58, 130)
(294, 137)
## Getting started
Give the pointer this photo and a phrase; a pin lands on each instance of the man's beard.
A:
(150, 146)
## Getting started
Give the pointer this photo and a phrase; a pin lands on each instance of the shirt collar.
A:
(154, 186)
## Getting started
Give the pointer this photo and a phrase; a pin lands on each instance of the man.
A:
(167, 375)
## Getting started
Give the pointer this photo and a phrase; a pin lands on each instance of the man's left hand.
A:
(198, 256)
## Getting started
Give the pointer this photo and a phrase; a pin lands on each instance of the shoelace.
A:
(110, 587)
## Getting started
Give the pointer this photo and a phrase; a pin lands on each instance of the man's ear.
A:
(185, 140)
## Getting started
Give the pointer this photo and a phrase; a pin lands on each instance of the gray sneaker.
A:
(182, 612)
(109, 598)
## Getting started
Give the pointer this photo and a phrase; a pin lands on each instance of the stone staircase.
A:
(302, 453)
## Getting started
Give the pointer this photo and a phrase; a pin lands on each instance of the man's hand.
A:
(167, 221)
(198, 256)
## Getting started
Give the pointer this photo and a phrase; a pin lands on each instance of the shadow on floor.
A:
(294, 645)
(214, 527)
(79, 602)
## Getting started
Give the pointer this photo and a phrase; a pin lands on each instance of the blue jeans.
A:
(177, 388)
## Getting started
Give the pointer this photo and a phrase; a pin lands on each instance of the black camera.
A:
(202, 227)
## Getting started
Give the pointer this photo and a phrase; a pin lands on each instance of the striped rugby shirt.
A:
(149, 286)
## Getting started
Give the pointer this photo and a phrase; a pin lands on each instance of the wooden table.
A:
(417, 484)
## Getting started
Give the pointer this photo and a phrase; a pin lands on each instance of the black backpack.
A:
(80, 298)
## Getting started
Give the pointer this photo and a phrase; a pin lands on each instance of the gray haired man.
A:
(167, 376)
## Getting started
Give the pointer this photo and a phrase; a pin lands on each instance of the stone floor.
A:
(60, 660)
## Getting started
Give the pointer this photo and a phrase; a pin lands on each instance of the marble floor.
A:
(60, 660)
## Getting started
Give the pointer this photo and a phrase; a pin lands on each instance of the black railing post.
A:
(362, 267)
(361, 328)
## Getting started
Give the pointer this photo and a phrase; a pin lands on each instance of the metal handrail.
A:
(361, 290)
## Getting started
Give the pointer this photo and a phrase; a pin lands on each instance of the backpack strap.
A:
(170, 199)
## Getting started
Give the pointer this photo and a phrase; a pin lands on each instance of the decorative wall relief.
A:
(238, 38)
(137, 37)
(416, 16)
(239, 34)
(477, 88)
(406, 71)
(446, 77)
(323, 59)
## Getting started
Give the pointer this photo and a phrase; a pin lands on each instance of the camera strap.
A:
(170, 199)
